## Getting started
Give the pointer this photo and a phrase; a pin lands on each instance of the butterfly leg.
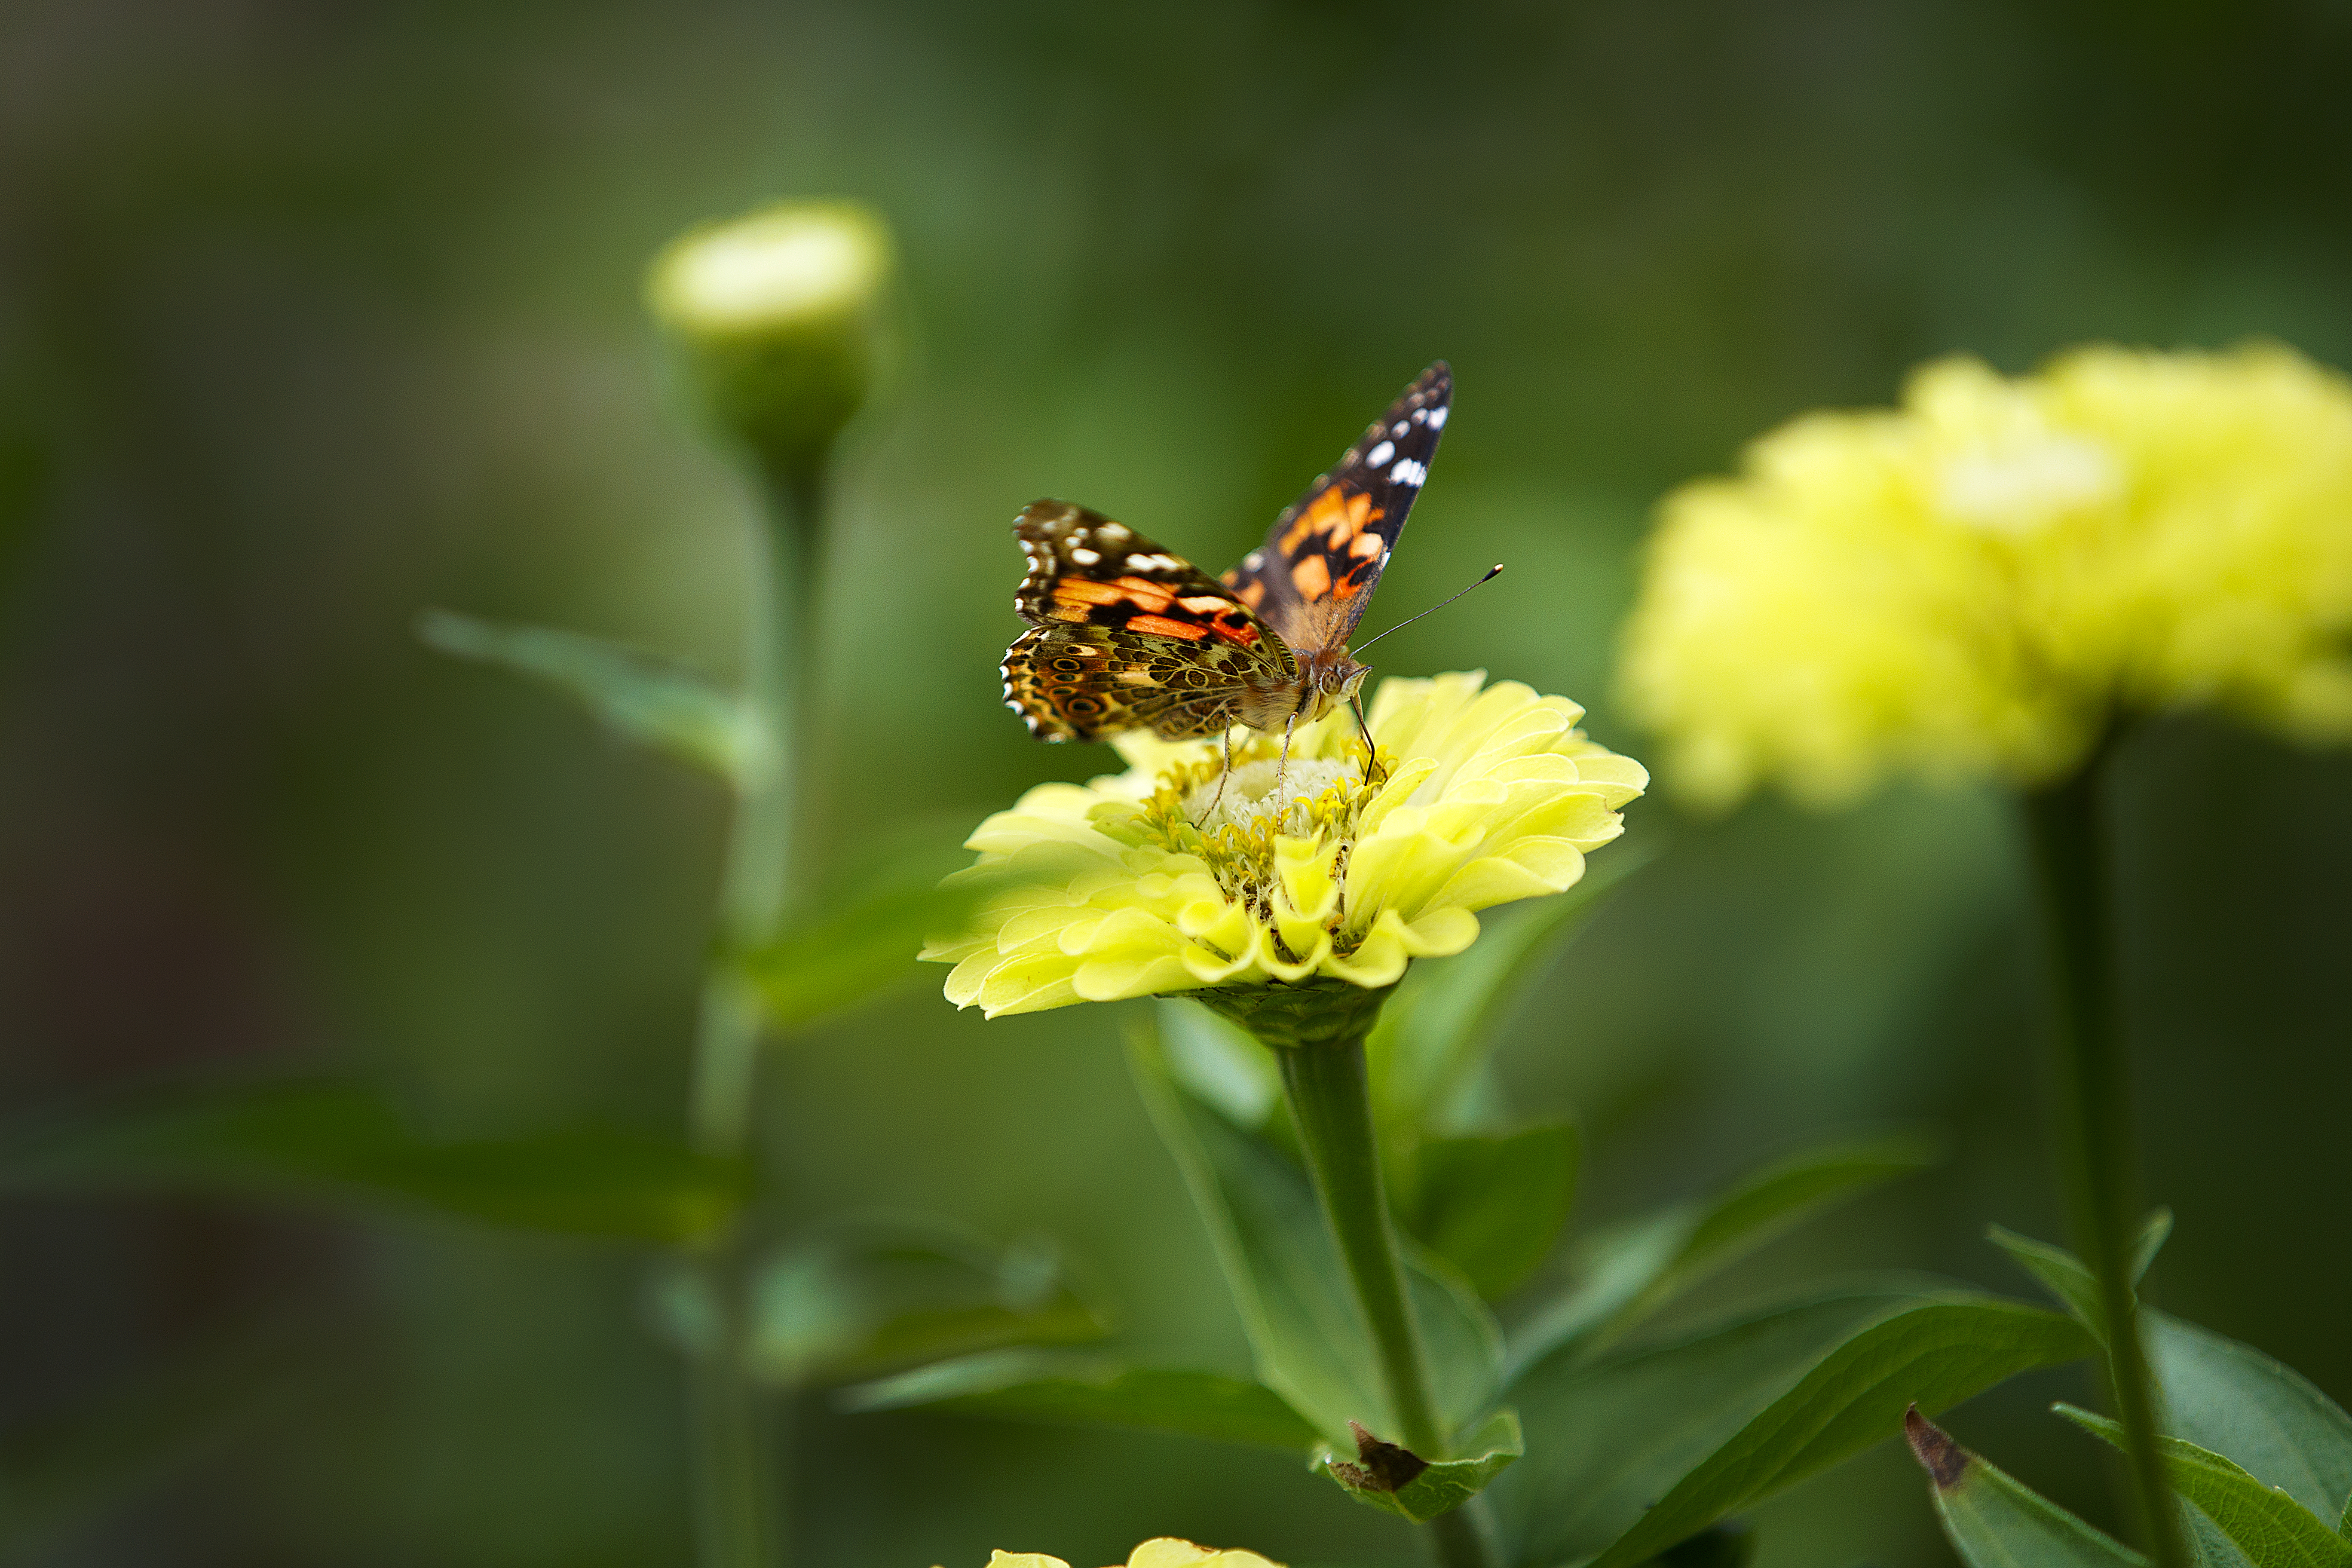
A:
(1221, 777)
(1281, 769)
(1371, 751)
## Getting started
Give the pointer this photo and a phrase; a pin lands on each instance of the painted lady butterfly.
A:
(1127, 635)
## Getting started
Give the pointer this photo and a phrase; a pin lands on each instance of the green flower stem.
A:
(2066, 826)
(738, 1520)
(1330, 1100)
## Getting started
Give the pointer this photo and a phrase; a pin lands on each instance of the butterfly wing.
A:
(1124, 635)
(1313, 577)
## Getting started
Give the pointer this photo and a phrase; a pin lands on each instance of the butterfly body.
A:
(1124, 635)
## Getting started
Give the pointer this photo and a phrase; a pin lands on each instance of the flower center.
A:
(1244, 799)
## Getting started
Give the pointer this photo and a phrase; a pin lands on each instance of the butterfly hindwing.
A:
(1086, 682)
(1313, 577)
(1124, 635)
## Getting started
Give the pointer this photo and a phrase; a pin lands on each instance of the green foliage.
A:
(1716, 1421)
(1403, 1483)
(1993, 1521)
(2237, 1402)
(2065, 1276)
(349, 1147)
(1493, 1204)
(1437, 1031)
(1934, 1355)
(861, 1299)
(1627, 1272)
(847, 952)
(1286, 1279)
(2266, 1523)
(648, 701)
(1063, 1390)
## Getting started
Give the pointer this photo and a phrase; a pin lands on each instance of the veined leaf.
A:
(1936, 1354)
(1284, 1271)
(1994, 1521)
(1068, 1391)
(2239, 1403)
(1608, 1436)
(346, 1146)
(1493, 1204)
(653, 702)
(865, 1298)
(1435, 1033)
(2270, 1527)
(2218, 1394)
(1399, 1481)
(1631, 1270)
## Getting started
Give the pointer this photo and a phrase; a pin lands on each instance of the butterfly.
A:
(1124, 635)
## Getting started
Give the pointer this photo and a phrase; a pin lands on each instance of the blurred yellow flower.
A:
(1166, 1551)
(1976, 582)
(1167, 878)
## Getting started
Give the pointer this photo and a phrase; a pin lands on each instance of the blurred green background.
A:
(314, 315)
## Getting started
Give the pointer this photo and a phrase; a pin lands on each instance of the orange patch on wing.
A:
(1368, 546)
(1252, 595)
(1147, 594)
(1241, 636)
(1078, 591)
(1311, 578)
(1161, 627)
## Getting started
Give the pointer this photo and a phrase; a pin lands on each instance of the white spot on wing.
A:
(1083, 556)
(1380, 454)
(1407, 472)
(1437, 419)
(1398, 429)
(1254, 560)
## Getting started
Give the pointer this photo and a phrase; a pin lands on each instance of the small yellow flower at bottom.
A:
(1166, 1551)
(1175, 875)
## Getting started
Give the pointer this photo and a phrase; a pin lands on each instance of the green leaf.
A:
(1066, 1390)
(1437, 1031)
(866, 1299)
(1935, 1353)
(1607, 1435)
(2065, 1276)
(649, 700)
(1631, 1270)
(346, 1146)
(2239, 1403)
(1994, 1521)
(1493, 1204)
(1306, 1335)
(1401, 1482)
(2269, 1526)
(843, 955)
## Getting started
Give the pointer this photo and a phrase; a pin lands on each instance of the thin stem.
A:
(738, 1444)
(1330, 1100)
(2098, 1153)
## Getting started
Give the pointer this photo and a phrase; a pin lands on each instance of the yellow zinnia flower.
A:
(1166, 1551)
(1978, 582)
(1173, 877)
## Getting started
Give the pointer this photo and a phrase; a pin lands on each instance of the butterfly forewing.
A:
(1314, 576)
(1126, 634)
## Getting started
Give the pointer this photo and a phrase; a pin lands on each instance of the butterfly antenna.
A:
(1492, 572)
